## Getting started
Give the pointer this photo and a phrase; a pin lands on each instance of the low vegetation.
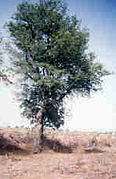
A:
(71, 155)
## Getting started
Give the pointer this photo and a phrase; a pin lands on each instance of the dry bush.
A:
(58, 141)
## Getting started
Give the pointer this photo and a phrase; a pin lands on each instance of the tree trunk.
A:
(38, 132)
(41, 134)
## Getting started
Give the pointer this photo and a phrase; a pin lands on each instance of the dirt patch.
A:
(54, 163)
(57, 166)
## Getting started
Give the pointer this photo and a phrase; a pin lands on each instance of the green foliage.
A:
(55, 61)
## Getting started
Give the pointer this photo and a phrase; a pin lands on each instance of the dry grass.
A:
(65, 156)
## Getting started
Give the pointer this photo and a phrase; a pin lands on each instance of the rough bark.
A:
(38, 132)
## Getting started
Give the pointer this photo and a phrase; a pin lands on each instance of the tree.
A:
(55, 61)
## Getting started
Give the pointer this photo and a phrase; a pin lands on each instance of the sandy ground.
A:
(59, 166)
(53, 165)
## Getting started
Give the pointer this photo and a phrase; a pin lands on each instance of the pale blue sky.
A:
(100, 17)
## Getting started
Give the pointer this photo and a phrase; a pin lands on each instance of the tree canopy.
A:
(55, 60)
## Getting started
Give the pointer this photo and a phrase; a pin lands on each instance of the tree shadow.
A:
(55, 145)
(7, 146)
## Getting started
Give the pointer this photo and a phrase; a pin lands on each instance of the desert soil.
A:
(57, 165)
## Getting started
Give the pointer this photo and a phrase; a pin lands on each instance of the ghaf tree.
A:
(55, 61)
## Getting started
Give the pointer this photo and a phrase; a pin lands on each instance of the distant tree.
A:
(55, 61)
(8, 126)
